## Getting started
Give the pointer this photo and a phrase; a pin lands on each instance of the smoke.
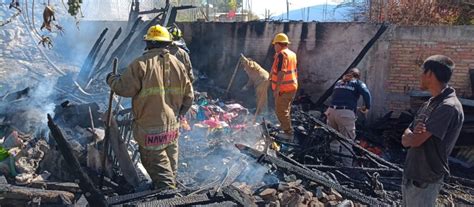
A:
(209, 156)
(27, 113)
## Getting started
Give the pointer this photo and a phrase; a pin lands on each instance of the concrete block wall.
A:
(391, 68)
(324, 51)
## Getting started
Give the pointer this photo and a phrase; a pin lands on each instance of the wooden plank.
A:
(356, 61)
(69, 187)
(92, 194)
(26, 194)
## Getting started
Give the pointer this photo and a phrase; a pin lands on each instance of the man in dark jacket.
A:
(341, 114)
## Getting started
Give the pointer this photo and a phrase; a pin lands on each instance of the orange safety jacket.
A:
(289, 82)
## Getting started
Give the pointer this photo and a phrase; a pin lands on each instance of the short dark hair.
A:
(156, 44)
(441, 66)
(354, 72)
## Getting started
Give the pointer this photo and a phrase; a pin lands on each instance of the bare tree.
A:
(421, 12)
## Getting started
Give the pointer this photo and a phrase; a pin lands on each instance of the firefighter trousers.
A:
(283, 110)
(161, 165)
(261, 91)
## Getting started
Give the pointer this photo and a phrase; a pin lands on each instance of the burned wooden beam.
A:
(93, 195)
(69, 187)
(315, 176)
(362, 169)
(101, 60)
(121, 48)
(132, 44)
(354, 63)
(118, 52)
(85, 69)
(237, 195)
(153, 11)
(458, 197)
(233, 172)
(341, 137)
(181, 201)
(464, 181)
(93, 58)
(26, 194)
(160, 194)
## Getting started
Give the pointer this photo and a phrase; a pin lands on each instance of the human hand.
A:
(110, 75)
(420, 127)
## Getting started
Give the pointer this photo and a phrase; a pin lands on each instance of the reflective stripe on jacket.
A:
(289, 82)
(160, 90)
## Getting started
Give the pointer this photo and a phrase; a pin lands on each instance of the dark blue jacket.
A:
(347, 94)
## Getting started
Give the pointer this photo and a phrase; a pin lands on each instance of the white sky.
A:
(277, 7)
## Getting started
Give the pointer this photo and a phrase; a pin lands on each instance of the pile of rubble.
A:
(295, 194)
(225, 160)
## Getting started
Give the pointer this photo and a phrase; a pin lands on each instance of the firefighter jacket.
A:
(183, 56)
(160, 92)
(255, 72)
(285, 61)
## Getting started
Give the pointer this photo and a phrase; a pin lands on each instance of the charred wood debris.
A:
(224, 160)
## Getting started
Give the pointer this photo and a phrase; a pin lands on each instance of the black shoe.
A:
(285, 137)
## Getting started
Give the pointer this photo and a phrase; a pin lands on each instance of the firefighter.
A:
(161, 93)
(284, 80)
(177, 49)
(258, 78)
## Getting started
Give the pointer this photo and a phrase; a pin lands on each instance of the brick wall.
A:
(325, 50)
(406, 57)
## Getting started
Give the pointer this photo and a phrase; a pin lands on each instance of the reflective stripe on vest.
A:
(286, 72)
(289, 82)
(285, 82)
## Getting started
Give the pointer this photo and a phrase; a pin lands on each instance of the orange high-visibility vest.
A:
(289, 83)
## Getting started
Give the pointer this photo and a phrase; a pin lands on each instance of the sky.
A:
(118, 9)
(277, 7)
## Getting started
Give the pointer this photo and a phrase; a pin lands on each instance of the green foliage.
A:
(74, 6)
(232, 4)
(3, 153)
(226, 5)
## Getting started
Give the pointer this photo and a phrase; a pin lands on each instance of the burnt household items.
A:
(259, 79)
(341, 114)
(284, 80)
(432, 135)
(179, 50)
(161, 92)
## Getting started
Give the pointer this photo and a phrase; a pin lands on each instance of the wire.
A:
(33, 20)
(62, 1)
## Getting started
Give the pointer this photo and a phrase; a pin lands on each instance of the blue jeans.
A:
(420, 194)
